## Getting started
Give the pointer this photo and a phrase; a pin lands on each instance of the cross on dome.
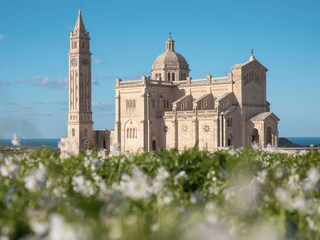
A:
(252, 56)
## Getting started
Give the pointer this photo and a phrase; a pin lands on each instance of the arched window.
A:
(173, 77)
(85, 132)
(134, 133)
(73, 132)
(168, 76)
(104, 145)
(128, 135)
(157, 76)
(230, 140)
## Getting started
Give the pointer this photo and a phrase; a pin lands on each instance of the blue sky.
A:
(127, 36)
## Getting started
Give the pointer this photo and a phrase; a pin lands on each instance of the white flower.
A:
(180, 177)
(83, 186)
(255, 146)
(36, 180)
(38, 222)
(261, 178)
(293, 182)
(159, 181)
(229, 193)
(115, 149)
(311, 224)
(166, 199)
(313, 176)
(9, 169)
(232, 151)
(61, 230)
(298, 203)
(282, 195)
(135, 187)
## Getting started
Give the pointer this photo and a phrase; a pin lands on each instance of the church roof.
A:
(251, 60)
(263, 116)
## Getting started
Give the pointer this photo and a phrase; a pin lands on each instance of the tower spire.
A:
(79, 27)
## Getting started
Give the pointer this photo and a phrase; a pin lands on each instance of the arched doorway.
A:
(154, 145)
(255, 136)
(269, 136)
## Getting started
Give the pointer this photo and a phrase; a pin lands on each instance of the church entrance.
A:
(255, 137)
(154, 145)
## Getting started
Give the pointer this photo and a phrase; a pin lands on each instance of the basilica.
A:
(169, 109)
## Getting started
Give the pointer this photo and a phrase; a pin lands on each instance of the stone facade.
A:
(172, 110)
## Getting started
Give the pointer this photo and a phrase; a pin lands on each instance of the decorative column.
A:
(148, 121)
(221, 130)
(218, 131)
(195, 130)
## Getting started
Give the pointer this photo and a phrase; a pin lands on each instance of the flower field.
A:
(235, 194)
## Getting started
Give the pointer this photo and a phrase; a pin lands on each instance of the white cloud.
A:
(102, 106)
(3, 37)
(4, 84)
(68, 27)
(98, 61)
(59, 83)
(94, 81)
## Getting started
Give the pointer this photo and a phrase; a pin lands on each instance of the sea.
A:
(53, 142)
(305, 141)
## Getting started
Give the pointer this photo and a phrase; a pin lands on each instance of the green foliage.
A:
(235, 194)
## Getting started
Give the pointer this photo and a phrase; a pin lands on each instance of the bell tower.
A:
(80, 125)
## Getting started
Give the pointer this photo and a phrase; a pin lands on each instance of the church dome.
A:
(170, 59)
(170, 62)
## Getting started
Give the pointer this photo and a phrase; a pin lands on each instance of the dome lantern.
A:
(170, 65)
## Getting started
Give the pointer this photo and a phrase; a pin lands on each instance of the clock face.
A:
(74, 62)
(85, 62)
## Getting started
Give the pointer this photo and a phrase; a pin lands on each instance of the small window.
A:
(85, 132)
(169, 76)
(73, 132)
(173, 77)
